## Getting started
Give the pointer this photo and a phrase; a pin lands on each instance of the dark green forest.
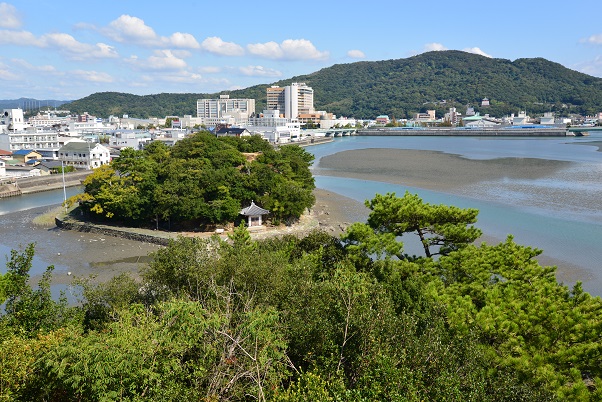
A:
(400, 88)
(200, 180)
(315, 318)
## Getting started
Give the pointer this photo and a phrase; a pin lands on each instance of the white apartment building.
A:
(275, 129)
(293, 100)
(84, 155)
(213, 111)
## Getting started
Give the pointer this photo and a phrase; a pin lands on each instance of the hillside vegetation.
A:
(316, 318)
(400, 88)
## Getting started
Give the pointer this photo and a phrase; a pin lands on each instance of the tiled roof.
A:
(253, 210)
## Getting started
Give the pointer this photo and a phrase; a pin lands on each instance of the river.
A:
(559, 213)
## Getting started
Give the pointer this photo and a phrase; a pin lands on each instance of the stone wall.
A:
(130, 234)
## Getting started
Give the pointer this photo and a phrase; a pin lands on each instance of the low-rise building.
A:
(84, 155)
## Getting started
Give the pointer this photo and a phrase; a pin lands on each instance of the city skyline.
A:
(68, 50)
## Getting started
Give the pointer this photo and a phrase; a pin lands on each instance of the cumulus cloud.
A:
(216, 45)
(594, 39)
(10, 18)
(356, 54)
(22, 38)
(129, 29)
(259, 71)
(92, 76)
(63, 42)
(184, 40)
(434, 47)
(477, 50)
(160, 60)
(75, 49)
(290, 49)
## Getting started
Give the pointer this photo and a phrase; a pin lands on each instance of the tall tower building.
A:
(292, 100)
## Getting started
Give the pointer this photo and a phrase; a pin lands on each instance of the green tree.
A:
(440, 228)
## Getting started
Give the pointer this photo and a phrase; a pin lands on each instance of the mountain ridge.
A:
(400, 88)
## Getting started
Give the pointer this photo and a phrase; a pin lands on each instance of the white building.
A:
(521, 119)
(212, 111)
(12, 120)
(84, 155)
(293, 100)
(273, 128)
(135, 139)
(547, 119)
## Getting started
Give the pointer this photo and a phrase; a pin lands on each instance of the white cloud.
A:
(30, 67)
(6, 74)
(434, 47)
(10, 18)
(477, 50)
(65, 43)
(259, 71)
(129, 29)
(216, 45)
(92, 76)
(160, 60)
(270, 50)
(592, 67)
(184, 40)
(356, 54)
(78, 50)
(290, 49)
(594, 39)
(21, 38)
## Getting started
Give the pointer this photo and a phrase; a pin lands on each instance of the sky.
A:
(67, 50)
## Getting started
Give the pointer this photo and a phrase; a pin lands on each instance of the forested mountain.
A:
(402, 87)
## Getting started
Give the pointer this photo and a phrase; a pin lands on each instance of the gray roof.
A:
(253, 210)
(77, 146)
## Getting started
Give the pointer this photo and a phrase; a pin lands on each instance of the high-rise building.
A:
(293, 100)
(213, 110)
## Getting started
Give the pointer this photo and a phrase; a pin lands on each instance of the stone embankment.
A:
(304, 226)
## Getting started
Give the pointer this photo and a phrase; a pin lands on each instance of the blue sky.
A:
(67, 49)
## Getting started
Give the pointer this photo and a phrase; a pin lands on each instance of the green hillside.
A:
(402, 87)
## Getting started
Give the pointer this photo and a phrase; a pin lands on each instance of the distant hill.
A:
(400, 88)
(30, 103)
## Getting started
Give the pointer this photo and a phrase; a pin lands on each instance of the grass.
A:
(47, 218)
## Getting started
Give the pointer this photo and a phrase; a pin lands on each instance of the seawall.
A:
(465, 132)
(160, 238)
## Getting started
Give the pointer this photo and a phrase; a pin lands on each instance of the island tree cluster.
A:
(202, 180)
(314, 318)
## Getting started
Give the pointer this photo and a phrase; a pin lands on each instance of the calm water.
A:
(559, 214)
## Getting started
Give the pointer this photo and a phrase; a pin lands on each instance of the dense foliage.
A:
(200, 180)
(315, 318)
(402, 87)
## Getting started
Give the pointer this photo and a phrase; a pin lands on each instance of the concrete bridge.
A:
(331, 132)
(584, 130)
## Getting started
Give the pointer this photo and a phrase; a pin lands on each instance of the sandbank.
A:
(431, 170)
